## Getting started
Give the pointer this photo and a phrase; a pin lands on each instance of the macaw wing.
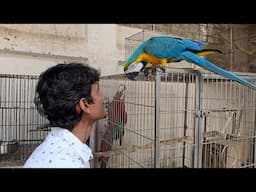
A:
(192, 45)
(169, 47)
(117, 117)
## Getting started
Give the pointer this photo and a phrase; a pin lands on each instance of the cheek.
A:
(100, 100)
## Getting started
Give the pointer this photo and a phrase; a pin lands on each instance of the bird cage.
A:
(182, 118)
(21, 126)
(185, 117)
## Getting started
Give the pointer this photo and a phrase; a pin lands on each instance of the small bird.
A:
(117, 119)
(161, 50)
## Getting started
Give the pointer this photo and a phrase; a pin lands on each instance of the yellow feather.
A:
(154, 61)
(207, 52)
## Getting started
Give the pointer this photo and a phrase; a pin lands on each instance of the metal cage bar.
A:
(205, 120)
(20, 123)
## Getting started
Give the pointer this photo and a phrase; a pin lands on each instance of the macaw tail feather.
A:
(191, 57)
(118, 131)
(106, 145)
(207, 52)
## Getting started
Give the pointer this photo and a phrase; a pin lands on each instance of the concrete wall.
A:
(31, 48)
(106, 47)
(252, 47)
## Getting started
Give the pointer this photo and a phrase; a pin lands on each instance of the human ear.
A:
(85, 107)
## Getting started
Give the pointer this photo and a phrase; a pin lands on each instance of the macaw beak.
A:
(133, 70)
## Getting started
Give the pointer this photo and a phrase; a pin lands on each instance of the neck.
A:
(82, 129)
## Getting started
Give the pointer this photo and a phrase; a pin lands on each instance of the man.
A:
(68, 96)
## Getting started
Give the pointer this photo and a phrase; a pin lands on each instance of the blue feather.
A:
(191, 57)
(175, 49)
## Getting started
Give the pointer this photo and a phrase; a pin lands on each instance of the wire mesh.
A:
(228, 123)
(205, 120)
(19, 119)
(224, 117)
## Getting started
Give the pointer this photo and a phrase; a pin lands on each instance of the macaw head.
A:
(133, 66)
(122, 89)
(132, 70)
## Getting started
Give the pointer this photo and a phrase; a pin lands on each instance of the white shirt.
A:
(60, 149)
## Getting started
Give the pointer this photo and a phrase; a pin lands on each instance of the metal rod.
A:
(157, 119)
(185, 124)
(254, 142)
(198, 120)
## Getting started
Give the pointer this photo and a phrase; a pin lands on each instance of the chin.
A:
(105, 115)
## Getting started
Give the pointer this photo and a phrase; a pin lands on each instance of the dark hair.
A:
(60, 88)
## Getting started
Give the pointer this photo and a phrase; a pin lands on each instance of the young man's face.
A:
(98, 109)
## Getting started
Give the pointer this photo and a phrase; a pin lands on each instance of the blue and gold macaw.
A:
(161, 50)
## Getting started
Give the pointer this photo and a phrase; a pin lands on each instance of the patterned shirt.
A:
(60, 149)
